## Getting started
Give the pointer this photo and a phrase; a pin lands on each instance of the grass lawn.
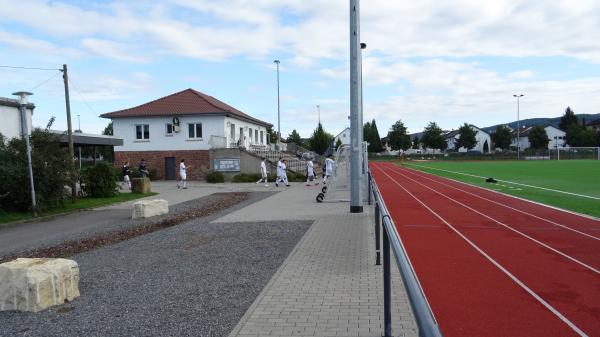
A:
(574, 176)
(82, 203)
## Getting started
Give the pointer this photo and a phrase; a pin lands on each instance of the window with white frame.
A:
(168, 129)
(195, 130)
(256, 135)
(142, 131)
(261, 137)
(250, 134)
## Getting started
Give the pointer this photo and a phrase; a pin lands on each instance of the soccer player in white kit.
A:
(263, 172)
(310, 173)
(328, 168)
(183, 174)
(281, 174)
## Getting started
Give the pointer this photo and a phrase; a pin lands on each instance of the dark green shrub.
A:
(246, 178)
(215, 177)
(99, 181)
(51, 170)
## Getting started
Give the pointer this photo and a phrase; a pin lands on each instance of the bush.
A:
(296, 177)
(246, 177)
(215, 177)
(99, 181)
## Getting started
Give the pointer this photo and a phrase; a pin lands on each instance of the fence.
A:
(426, 323)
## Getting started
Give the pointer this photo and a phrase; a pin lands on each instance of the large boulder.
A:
(140, 185)
(37, 284)
(149, 208)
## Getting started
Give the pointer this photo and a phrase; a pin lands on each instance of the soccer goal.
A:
(564, 153)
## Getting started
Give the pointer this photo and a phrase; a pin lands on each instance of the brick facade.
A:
(155, 161)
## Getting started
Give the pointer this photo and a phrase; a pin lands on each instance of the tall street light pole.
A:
(355, 110)
(319, 113)
(518, 126)
(25, 131)
(278, 107)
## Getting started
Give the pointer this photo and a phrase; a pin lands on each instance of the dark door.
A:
(170, 168)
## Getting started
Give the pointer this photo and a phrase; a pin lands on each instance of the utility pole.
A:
(70, 133)
(355, 110)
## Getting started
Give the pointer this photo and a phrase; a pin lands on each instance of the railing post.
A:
(369, 186)
(377, 235)
(387, 289)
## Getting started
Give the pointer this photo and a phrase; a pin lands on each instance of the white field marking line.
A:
(587, 216)
(508, 227)
(501, 204)
(510, 182)
(495, 263)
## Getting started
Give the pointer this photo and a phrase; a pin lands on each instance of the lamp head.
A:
(276, 61)
(22, 96)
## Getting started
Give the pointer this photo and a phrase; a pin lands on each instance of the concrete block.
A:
(149, 208)
(141, 185)
(37, 284)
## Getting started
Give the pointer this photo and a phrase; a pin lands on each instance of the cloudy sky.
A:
(448, 61)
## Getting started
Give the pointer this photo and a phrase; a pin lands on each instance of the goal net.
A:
(564, 153)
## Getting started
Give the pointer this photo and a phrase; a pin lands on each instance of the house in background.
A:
(593, 125)
(184, 125)
(556, 136)
(481, 136)
(343, 136)
(11, 117)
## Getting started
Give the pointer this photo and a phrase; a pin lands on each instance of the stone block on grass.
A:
(141, 185)
(37, 284)
(149, 208)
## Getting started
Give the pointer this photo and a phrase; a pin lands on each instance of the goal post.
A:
(589, 152)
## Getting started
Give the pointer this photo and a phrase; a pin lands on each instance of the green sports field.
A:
(580, 178)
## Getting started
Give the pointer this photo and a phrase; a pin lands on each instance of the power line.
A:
(28, 68)
(81, 95)
(44, 81)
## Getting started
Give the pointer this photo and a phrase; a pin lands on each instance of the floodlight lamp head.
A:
(22, 96)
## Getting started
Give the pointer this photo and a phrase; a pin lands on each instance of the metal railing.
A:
(426, 322)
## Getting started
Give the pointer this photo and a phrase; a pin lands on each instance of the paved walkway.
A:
(329, 285)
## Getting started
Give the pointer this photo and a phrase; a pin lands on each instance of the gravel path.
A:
(194, 279)
(84, 224)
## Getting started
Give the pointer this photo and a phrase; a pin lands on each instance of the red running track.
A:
(494, 265)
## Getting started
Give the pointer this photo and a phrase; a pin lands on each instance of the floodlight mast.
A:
(518, 126)
(355, 110)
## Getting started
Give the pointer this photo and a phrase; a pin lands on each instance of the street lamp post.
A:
(278, 107)
(25, 131)
(356, 205)
(319, 113)
(518, 126)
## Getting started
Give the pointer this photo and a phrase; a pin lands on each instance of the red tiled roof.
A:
(186, 102)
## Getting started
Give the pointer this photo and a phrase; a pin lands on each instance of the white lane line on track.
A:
(581, 263)
(511, 182)
(501, 204)
(495, 263)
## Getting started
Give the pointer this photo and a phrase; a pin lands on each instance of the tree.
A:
(108, 130)
(374, 140)
(502, 137)
(415, 143)
(338, 143)
(567, 119)
(295, 138)
(486, 147)
(320, 140)
(398, 138)
(538, 138)
(466, 137)
(432, 137)
(578, 136)
(367, 132)
(272, 135)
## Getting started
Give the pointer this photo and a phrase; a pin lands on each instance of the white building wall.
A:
(10, 127)
(219, 126)
(556, 136)
(344, 136)
(159, 140)
(247, 140)
(480, 136)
